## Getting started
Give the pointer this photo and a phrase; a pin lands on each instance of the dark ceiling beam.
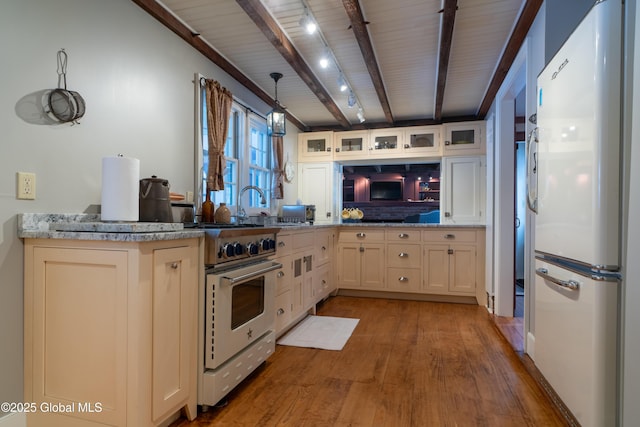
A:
(272, 31)
(514, 44)
(446, 38)
(359, 27)
(169, 20)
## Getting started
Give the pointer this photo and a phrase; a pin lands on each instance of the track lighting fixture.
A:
(307, 22)
(360, 115)
(351, 100)
(342, 84)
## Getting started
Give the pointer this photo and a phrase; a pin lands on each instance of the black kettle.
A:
(154, 201)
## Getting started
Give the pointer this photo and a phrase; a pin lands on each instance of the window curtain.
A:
(219, 101)
(278, 166)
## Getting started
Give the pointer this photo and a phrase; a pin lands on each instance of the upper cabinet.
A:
(463, 190)
(463, 138)
(351, 144)
(422, 140)
(386, 142)
(315, 146)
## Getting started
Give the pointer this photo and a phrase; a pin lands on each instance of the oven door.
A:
(239, 309)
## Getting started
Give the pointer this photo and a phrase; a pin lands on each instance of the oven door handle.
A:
(233, 280)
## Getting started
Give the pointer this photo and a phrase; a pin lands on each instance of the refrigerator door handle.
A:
(532, 170)
(569, 284)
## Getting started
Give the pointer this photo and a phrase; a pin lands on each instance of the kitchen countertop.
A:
(89, 227)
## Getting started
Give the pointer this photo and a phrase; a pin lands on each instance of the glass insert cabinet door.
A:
(463, 138)
(351, 144)
(386, 141)
(422, 139)
(315, 145)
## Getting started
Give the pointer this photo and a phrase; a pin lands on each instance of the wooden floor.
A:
(407, 363)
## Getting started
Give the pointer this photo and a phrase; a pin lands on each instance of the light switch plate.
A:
(26, 186)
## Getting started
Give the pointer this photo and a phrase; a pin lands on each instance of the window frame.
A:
(238, 154)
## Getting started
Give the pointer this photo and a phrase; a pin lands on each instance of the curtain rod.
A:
(246, 107)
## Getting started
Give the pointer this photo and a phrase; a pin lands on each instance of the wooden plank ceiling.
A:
(407, 62)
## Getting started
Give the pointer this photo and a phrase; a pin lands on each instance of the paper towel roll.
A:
(120, 187)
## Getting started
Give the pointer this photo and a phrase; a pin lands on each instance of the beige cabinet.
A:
(404, 259)
(361, 261)
(315, 146)
(464, 138)
(113, 324)
(351, 145)
(386, 143)
(316, 187)
(452, 261)
(462, 190)
(423, 141)
(306, 276)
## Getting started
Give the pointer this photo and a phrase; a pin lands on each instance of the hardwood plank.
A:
(408, 363)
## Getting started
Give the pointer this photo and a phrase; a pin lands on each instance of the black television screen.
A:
(386, 190)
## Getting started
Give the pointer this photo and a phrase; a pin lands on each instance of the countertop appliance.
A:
(299, 213)
(575, 169)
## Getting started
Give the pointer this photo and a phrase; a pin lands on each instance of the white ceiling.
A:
(405, 36)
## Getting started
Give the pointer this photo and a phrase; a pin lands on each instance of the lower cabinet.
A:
(445, 261)
(110, 331)
(306, 275)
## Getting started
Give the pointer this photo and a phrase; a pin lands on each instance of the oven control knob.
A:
(266, 244)
(239, 250)
(227, 250)
(252, 248)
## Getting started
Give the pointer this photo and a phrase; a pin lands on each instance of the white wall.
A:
(137, 80)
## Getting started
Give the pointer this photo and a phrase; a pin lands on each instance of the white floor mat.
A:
(324, 332)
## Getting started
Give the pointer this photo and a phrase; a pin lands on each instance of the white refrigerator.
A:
(574, 185)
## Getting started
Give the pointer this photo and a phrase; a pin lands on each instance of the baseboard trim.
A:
(14, 420)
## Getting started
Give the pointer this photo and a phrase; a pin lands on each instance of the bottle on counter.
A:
(223, 214)
(207, 209)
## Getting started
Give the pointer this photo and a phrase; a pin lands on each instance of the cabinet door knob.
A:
(323, 248)
(447, 214)
(447, 143)
(403, 255)
(280, 274)
(361, 235)
(403, 235)
(450, 251)
(174, 265)
(280, 312)
(403, 279)
(281, 244)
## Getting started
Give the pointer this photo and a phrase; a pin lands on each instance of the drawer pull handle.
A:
(403, 255)
(361, 235)
(449, 236)
(280, 274)
(450, 251)
(174, 265)
(403, 279)
(280, 312)
(403, 236)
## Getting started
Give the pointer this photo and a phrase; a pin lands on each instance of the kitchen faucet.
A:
(241, 213)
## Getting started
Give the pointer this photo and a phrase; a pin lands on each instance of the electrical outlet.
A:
(190, 196)
(26, 186)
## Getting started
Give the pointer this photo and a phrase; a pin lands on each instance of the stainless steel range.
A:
(237, 307)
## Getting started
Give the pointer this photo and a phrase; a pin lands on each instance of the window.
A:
(248, 156)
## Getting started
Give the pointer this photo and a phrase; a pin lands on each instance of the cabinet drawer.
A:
(403, 235)
(302, 240)
(284, 275)
(403, 279)
(361, 235)
(283, 310)
(449, 235)
(283, 245)
(403, 255)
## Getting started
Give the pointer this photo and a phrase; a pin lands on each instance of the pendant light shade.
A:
(276, 119)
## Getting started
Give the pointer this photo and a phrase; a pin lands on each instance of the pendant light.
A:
(276, 123)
